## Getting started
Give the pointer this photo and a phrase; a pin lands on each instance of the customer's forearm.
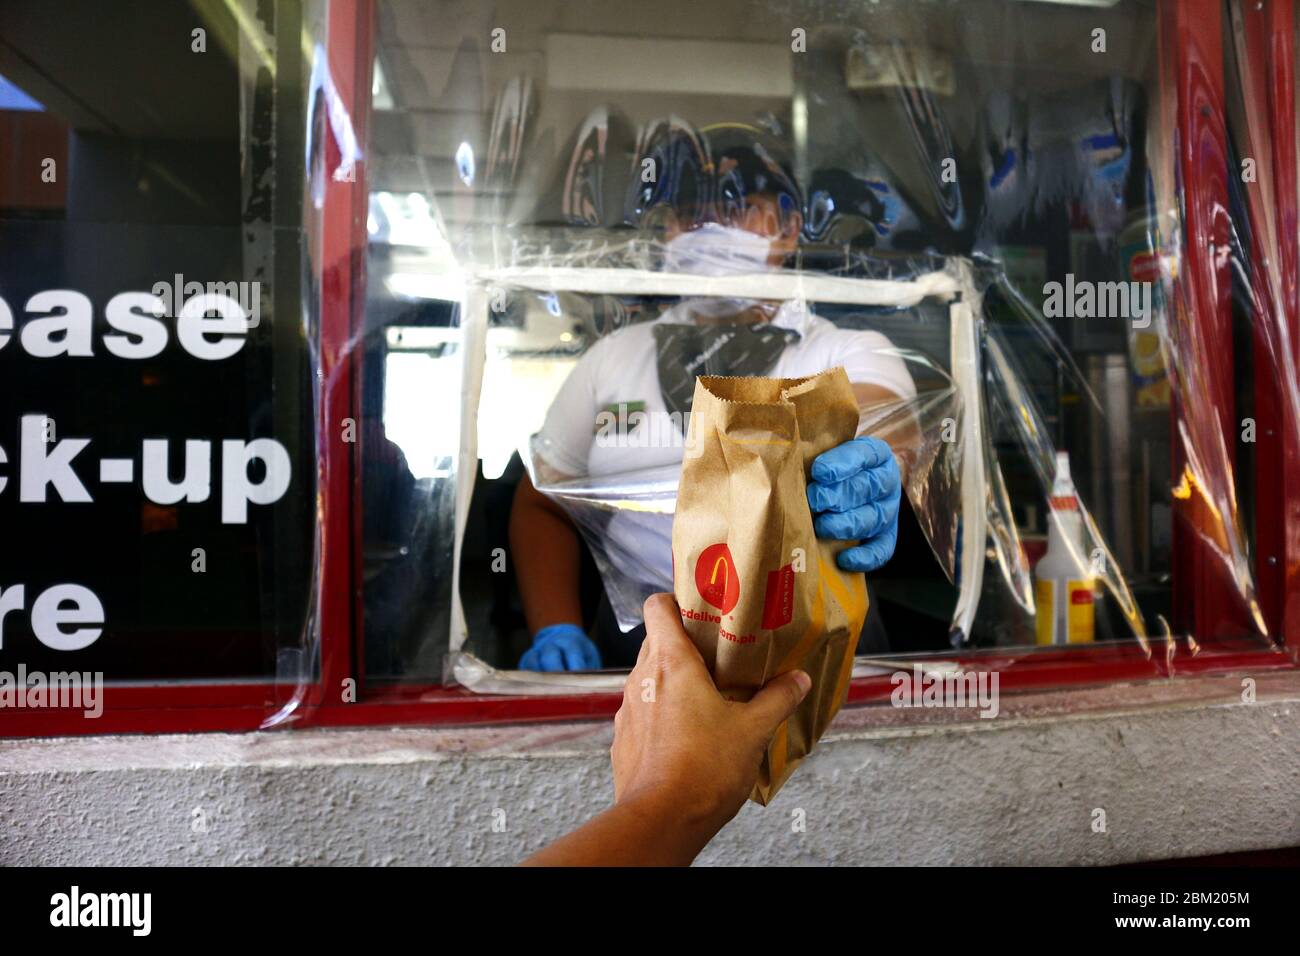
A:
(642, 832)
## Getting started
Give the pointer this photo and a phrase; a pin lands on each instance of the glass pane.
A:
(156, 414)
(606, 190)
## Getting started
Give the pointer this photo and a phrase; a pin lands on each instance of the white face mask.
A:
(716, 250)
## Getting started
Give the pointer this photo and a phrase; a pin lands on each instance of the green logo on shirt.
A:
(616, 414)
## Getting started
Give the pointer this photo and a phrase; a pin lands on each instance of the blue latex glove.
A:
(854, 496)
(561, 647)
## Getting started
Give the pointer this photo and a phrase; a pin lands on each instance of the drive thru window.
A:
(301, 302)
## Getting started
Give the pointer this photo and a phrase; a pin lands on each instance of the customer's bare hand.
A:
(679, 747)
(685, 759)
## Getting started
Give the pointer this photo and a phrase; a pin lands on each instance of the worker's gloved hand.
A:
(561, 647)
(854, 496)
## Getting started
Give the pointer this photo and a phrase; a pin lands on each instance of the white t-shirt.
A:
(621, 370)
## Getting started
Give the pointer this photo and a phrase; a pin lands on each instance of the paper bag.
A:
(759, 593)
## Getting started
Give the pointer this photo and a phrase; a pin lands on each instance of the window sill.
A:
(1164, 761)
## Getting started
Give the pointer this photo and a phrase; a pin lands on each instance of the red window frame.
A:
(1191, 47)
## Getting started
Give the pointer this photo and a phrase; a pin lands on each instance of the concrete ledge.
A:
(1180, 768)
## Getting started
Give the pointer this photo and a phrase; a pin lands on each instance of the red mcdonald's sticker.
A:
(778, 601)
(716, 577)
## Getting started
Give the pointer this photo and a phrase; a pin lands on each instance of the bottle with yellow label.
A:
(1064, 588)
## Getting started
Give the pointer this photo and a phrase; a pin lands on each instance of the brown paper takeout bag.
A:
(760, 594)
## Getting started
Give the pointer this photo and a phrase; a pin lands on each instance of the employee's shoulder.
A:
(820, 327)
(616, 342)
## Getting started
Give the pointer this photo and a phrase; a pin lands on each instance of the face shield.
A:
(745, 220)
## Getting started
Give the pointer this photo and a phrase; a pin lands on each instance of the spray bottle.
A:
(1064, 582)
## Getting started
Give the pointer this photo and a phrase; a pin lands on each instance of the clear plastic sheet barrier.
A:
(626, 516)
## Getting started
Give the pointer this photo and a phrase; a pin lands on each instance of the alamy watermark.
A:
(921, 688)
(628, 425)
(178, 294)
(1098, 300)
(57, 690)
(74, 908)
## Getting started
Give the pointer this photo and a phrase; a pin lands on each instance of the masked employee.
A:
(730, 209)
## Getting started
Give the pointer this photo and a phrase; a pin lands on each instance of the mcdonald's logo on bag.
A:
(778, 601)
(716, 578)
